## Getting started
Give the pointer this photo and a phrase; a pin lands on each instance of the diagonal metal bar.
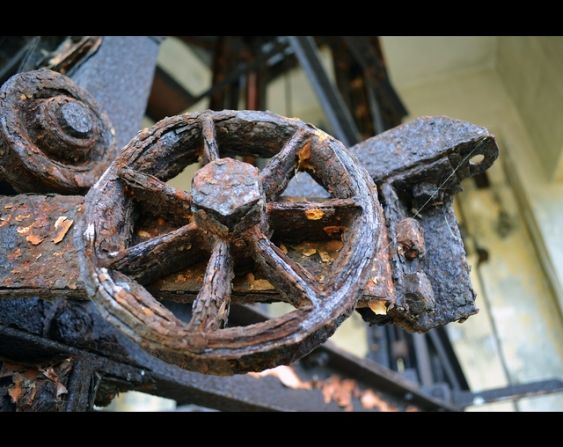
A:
(278, 172)
(146, 261)
(335, 108)
(464, 398)
(289, 277)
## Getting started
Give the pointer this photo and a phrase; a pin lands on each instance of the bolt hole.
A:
(476, 160)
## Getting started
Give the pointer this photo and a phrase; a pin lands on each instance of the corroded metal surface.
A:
(53, 138)
(76, 329)
(74, 52)
(240, 239)
(203, 344)
(40, 387)
(424, 140)
(119, 75)
(227, 197)
(410, 239)
(418, 167)
(37, 254)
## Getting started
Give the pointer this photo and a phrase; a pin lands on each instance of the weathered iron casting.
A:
(238, 237)
(52, 136)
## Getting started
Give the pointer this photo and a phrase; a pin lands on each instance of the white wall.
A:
(413, 59)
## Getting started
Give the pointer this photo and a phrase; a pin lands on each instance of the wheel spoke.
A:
(157, 195)
(291, 280)
(210, 147)
(159, 256)
(293, 221)
(210, 309)
(281, 167)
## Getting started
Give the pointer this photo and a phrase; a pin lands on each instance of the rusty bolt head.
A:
(75, 118)
(65, 128)
(227, 196)
(410, 239)
(419, 294)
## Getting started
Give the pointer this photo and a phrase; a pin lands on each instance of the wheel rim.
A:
(159, 154)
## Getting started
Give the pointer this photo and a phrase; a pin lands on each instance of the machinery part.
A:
(62, 54)
(410, 246)
(101, 65)
(226, 216)
(540, 388)
(407, 251)
(53, 138)
(107, 76)
(98, 361)
(430, 158)
(28, 227)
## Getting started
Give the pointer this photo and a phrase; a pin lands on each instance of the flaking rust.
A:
(235, 215)
(53, 138)
(36, 388)
(30, 259)
(235, 239)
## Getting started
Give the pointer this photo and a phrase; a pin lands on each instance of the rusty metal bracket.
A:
(418, 167)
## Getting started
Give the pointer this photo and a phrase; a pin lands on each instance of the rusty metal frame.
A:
(54, 322)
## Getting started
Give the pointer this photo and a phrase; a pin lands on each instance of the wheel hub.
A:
(227, 197)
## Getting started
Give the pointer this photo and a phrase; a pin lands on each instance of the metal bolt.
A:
(72, 324)
(227, 196)
(75, 118)
(410, 237)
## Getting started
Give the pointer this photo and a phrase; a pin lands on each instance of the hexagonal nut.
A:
(227, 196)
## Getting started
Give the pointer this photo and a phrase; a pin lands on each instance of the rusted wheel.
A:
(52, 136)
(227, 214)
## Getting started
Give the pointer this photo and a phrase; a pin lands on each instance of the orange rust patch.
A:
(147, 311)
(304, 156)
(309, 251)
(314, 214)
(261, 284)
(370, 400)
(325, 257)
(121, 296)
(21, 217)
(23, 230)
(34, 239)
(62, 224)
(333, 245)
